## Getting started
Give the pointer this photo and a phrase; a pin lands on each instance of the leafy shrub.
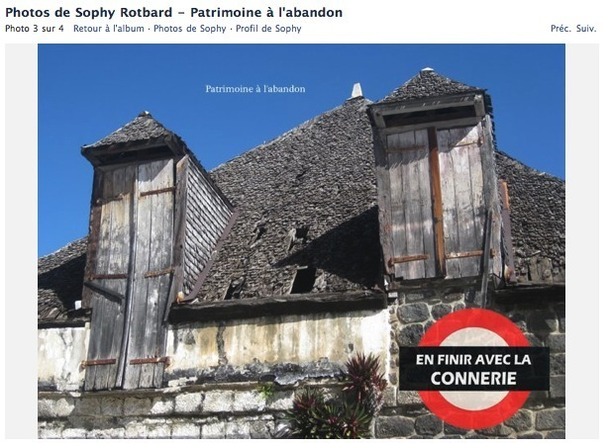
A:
(347, 417)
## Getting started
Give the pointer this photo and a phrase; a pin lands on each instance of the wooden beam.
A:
(94, 234)
(508, 265)
(295, 304)
(437, 203)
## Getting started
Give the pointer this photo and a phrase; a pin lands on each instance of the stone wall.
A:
(543, 323)
(234, 410)
(242, 376)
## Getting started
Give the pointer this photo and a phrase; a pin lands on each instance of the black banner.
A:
(474, 368)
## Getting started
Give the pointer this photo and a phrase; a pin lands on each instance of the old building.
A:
(353, 232)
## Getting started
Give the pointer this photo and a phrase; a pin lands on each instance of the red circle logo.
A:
(474, 409)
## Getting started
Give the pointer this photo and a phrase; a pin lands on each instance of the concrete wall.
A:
(60, 352)
(284, 349)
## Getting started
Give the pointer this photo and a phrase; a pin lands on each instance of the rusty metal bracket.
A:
(470, 253)
(395, 260)
(159, 273)
(97, 362)
(154, 360)
(159, 191)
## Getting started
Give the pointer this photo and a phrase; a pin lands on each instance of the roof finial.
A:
(356, 90)
(144, 113)
(426, 70)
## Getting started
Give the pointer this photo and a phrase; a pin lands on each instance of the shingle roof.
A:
(60, 281)
(537, 210)
(317, 179)
(143, 127)
(308, 198)
(427, 83)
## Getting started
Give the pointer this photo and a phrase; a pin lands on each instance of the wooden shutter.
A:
(152, 274)
(108, 281)
(464, 210)
(412, 229)
(131, 280)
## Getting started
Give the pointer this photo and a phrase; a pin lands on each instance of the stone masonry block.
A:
(558, 386)
(55, 408)
(542, 322)
(556, 342)
(50, 431)
(530, 435)
(112, 406)
(396, 426)
(74, 433)
(413, 312)
(137, 406)
(410, 335)
(408, 397)
(87, 406)
(213, 430)
(238, 430)
(521, 421)
(558, 364)
(248, 401)
(160, 431)
(428, 425)
(550, 419)
(281, 401)
(440, 310)
(189, 403)
(136, 430)
(107, 433)
(186, 431)
(162, 406)
(218, 401)
(557, 434)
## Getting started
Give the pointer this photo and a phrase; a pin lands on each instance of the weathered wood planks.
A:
(112, 260)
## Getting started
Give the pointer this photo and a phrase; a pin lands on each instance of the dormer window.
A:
(436, 180)
(156, 218)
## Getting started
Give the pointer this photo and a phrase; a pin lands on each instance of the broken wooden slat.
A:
(485, 261)
(104, 290)
(507, 238)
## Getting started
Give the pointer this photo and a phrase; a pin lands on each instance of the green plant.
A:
(266, 390)
(350, 416)
(365, 383)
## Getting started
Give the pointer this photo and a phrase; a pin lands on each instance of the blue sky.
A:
(87, 91)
